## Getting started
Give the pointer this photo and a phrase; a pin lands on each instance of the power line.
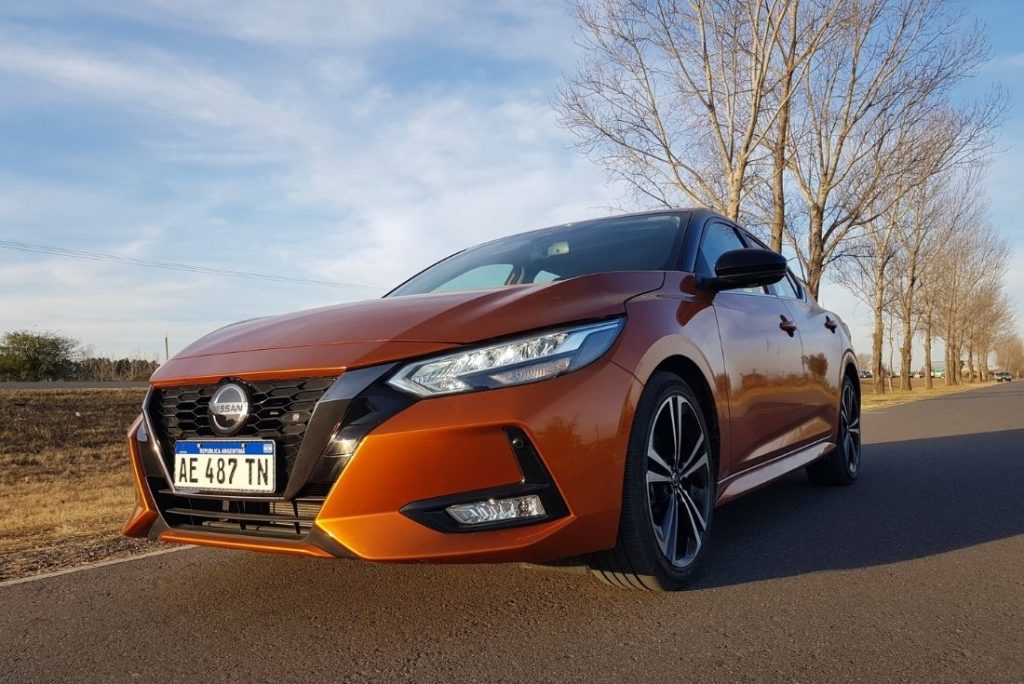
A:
(171, 266)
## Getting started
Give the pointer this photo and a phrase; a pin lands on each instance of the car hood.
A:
(380, 330)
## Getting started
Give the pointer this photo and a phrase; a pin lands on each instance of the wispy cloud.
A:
(321, 171)
(1013, 60)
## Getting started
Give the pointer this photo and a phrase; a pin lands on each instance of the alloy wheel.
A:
(849, 428)
(678, 480)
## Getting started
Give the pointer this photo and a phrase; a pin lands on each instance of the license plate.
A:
(220, 465)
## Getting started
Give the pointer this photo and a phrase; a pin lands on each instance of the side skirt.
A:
(754, 478)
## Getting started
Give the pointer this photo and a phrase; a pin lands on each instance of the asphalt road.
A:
(916, 573)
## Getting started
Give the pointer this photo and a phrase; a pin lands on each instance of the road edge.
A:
(92, 566)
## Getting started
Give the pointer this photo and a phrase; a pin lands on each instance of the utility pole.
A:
(167, 349)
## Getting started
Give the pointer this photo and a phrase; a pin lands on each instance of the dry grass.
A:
(64, 477)
(871, 400)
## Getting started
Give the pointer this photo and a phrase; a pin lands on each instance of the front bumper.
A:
(454, 446)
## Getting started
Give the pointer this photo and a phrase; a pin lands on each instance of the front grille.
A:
(278, 409)
(283, 519)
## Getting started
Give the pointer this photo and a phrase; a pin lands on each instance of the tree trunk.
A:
(732, 209)
(970, 363)
(879, 331)
(906, 352)
(779, 176)
(892, 361)
(778, 190)
(949, 356)
(816, 251)
(928, 352)
(778, 226)
(958, 360)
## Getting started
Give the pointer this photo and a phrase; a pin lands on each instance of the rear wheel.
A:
(842, 466)
(668, 492)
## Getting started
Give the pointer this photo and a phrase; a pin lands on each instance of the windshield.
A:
(636, 243)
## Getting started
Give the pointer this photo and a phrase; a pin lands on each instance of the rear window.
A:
(644, 243)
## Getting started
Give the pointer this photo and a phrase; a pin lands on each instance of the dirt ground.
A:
(65, 488)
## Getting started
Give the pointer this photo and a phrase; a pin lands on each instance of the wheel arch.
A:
(686, 369)
(850, 371)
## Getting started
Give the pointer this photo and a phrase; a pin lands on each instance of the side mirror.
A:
(747, 268)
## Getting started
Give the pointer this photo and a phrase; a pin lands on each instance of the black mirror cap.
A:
(750, 267)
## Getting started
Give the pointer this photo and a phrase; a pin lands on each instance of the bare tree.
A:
(807, 25)
(671, 95)
(992, 318)
(956, 210)
(871, 88)
(935, 208)
(974, 265)
(868, 276)
(845, 104)
(1009, 351)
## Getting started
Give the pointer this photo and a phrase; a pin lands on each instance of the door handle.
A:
(787, 325)
(830, 324)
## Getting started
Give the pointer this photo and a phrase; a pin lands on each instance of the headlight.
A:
(515, 362)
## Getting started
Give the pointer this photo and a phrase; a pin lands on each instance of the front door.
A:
(762, 350)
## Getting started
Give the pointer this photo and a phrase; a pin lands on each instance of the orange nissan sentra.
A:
(590, 390)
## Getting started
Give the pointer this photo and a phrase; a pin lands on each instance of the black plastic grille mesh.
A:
(279, 410)
(282, 519)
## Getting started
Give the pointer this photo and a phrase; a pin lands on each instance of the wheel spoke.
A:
(669, 529)
(693, 510)
(701, 462)
(684, 406)
(695, 519)
(693, 454)
(675, 414)
(657, 478)
(654, 456)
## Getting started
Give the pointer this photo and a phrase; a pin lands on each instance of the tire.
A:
(842, 465)
(647, 555)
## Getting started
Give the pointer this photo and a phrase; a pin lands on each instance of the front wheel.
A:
(668, 492)
(842, 465)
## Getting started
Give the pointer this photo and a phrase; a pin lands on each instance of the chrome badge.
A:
(229, 409)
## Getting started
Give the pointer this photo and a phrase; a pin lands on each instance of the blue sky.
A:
(351, 141)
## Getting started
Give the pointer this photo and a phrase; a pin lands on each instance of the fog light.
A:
(494, 510)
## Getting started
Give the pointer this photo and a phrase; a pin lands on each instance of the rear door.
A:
(762, 351)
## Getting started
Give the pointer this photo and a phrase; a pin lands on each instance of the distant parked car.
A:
(1003, 376)
(866, 374)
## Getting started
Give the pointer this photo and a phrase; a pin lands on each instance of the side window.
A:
(786, 288)
(718, 239)
(799, 285)
(772, 289)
